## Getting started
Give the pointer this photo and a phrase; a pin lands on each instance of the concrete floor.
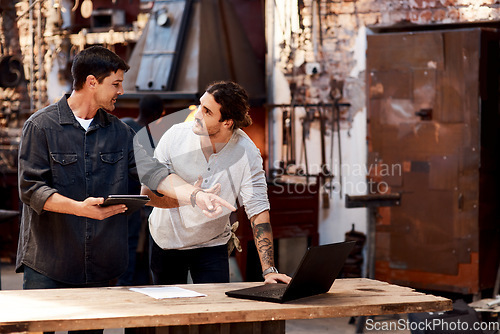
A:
(13, 281)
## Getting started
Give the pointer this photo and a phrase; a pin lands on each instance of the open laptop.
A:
(319, 267)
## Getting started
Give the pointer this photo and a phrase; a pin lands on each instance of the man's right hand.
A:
(211, 204)
(215, 190)
(91, 209)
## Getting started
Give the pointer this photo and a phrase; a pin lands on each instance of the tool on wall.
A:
(336, 89)
(306, 127)
(288, 158)
(11, 71)
(86, 9)
(288, 150)
(325, 173)
(328, 115)
(337, 121)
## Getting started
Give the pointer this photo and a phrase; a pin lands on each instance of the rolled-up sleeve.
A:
(34, 168)
(253, 192)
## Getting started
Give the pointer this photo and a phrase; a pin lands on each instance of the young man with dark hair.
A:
(214, 149)
(72, 155)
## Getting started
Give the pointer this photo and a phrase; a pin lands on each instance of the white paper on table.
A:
(168, 292)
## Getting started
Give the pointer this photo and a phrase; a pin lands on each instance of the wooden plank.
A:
(118, 307)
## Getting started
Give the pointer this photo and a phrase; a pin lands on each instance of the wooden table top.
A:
(118, 307)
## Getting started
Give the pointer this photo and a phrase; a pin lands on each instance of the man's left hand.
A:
(213, 190)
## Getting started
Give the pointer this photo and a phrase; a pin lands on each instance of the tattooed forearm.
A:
(263, 237)
(265, 248)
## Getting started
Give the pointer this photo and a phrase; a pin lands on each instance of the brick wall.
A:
(329, 30)
(333, 35)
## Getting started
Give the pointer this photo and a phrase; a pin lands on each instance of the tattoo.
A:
(252, 221)
(266, 251)
(263, 237)
(261, 229)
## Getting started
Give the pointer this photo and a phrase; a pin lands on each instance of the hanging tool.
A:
(285, 138)
(291, 156)
(324, 168)
(337, 119)
(306, 127)
(320, 25)
(291, 132)
(86, 9)
(336, 89)
(332, 135)
(288, 133)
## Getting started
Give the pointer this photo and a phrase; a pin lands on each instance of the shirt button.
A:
(87, 237)
(87, 173)
(205, 181)
(208, 168)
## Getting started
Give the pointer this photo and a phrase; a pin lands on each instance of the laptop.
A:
(315, 275)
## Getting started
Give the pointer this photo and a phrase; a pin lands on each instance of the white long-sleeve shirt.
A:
(237, 167)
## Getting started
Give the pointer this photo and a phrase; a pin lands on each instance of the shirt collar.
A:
(66, 116)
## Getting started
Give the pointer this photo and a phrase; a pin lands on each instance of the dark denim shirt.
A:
(57, 155)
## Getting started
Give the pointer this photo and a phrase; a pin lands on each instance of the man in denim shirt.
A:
(72, 155)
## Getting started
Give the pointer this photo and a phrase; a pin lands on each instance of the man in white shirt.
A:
(215, 150)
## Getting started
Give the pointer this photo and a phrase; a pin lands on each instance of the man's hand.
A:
(211, 204)
(91, 209)
(213, 190)
(207, 200)
(276, 278)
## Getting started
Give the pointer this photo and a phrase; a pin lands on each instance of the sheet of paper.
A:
(168, 292)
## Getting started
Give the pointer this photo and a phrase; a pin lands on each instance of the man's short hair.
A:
(97, 61)
(233, 100)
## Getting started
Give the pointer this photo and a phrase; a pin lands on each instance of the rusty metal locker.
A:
(433, 109)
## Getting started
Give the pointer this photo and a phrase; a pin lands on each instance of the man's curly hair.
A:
(233, 100)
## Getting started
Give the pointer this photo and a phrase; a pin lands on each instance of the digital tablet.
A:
(133, 202)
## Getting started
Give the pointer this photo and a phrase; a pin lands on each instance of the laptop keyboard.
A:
(277, 292)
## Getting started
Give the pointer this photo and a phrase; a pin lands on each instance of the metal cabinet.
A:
(433, 109)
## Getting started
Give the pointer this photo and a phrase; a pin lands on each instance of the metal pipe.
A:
(340, 151)
(40, 55)
(308, 105)
(32, 53)
(270, 64)
(32, 4)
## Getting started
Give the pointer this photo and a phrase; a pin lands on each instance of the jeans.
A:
(34, 280)
(206, 265)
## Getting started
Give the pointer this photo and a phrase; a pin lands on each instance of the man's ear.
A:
(91, 81)
(228, 123)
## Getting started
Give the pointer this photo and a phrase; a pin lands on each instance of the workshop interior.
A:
(377, 121)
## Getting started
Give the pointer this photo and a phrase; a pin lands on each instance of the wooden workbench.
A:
(118, 307)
